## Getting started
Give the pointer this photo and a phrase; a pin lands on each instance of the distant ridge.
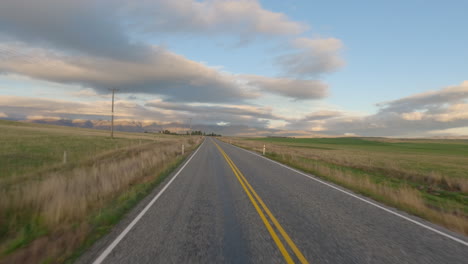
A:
(233, 130)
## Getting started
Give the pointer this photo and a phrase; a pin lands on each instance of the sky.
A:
(299, 68)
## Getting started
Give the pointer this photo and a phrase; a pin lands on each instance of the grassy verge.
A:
(29, 148)
(425, 178)
(113, 213)
(53, 213)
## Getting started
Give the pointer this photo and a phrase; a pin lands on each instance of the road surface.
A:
(228, 205)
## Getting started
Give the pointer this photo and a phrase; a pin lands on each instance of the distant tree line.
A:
(194, 133)
(212, 135)
(197, 133)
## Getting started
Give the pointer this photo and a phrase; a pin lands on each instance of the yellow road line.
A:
(270, 229)
(249, 190)
(286, 237)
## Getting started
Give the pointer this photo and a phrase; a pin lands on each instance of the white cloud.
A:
(72, 42)
(41, 117)
(425, 114)
(106, 28)
(412, 116)
(3, 115)
(443, 118)
(163, 73)
(314, 56)
(457, 131)
(87, 92)
(434, 100)
(320, 115)
(102, 52)
(243, 17)
(18, 107)
(235, 114)
(296, 89)
(222, 123)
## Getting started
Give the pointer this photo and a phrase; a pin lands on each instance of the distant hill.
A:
(175, 127)
(119, 125)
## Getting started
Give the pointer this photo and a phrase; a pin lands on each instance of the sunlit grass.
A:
(30, 147)
(50, 209)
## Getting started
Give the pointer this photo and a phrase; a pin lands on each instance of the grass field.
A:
(28, 147)
(428, 178)
(51, 210)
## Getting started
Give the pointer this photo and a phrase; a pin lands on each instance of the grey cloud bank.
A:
(84, 27)
(163, 73)
(76, 42)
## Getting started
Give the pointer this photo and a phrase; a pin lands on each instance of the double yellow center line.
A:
(259, 205)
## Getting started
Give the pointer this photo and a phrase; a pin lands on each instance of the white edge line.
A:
(109, 249)
(360, 198)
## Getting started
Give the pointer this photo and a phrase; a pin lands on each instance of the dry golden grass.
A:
(46, 217)
(425, 169)
(400, 194)
(67, 195)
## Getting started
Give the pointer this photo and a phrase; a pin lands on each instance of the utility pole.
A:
(190, 121)
(112, 120)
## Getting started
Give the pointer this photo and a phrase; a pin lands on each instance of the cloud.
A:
(445, 117)
(312, 57)
(23, 108)
(428, 100)
(415, 115)
(213, 114)
(457, 131)
(3, 115)
(98, 45)
(102, 28)
(87, 92)
(412, 116)
(314, 121)
(297, 89)
(19, 108)
(222, 123)
(321, 115)
(74, 43)
(72, 26)
(244, 18)
(163, 73)
(40, 117)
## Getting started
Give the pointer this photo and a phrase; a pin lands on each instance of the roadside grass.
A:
(51, 214)
(30, 147)
(428, 178)
(105, 219)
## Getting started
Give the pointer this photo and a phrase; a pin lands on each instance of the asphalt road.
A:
(227, 205)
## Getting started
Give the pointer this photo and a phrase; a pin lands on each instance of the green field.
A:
(424, 156)
(51, 210)
(27, 147)
(425, 146)
(426, 177)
